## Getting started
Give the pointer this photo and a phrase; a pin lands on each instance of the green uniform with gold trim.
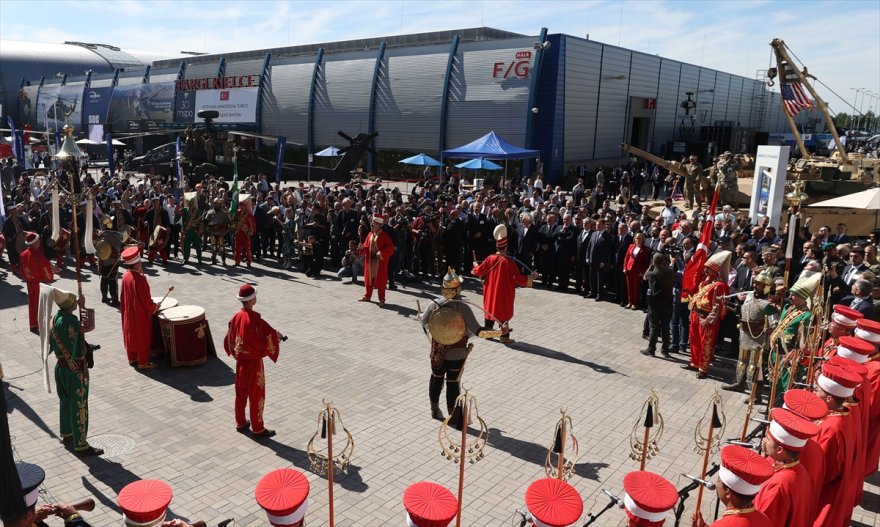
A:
(787, 332)
(71, 377)
(191, 237)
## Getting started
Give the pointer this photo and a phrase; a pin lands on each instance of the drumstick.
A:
(87, 505)
(170, 288)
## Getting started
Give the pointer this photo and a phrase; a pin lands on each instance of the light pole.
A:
(862, 105)
(854, 105)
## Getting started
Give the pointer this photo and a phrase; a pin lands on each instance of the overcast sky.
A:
(838, 41)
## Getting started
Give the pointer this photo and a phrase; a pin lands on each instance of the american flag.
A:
(794, 98)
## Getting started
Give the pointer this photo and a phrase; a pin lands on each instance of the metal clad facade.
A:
(201, 71)
(486, 92)
(668, 98)
(408, 98)
(613, 102)
(342, 97)
(286, 98)
(244, 67)
(582, 61)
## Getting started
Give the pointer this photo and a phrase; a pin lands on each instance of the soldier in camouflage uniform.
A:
(725, 171)
(692, 182)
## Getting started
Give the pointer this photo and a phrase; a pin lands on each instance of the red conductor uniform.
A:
(377, 250)
(502, 276)
(553, 503)
(647, 499)
(35, 269)
(786, 498)
(137, 308)
(284, 494)
(249, 339)
(246, 225)
(428, 504)
(708, 308)
(837, 433)
(144, 502)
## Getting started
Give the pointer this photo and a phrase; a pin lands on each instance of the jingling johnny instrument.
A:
(644, 444)
(324, 461)
(459, 451)
(565, 446)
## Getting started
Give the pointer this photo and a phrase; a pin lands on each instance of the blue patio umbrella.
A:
(421, 160)
(479, 163)
(330, 151)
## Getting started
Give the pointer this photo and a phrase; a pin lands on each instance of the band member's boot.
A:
(741, 365)
(435, 386)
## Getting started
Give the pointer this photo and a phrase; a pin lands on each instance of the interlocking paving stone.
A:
(373, 364)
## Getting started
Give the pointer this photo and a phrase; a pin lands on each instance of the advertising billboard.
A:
(235, 105)
(96, 102)
(141, 107)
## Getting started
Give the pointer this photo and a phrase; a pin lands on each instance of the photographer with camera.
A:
(660, 280)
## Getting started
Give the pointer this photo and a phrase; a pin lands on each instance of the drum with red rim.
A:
(186, 335)
(158, 346)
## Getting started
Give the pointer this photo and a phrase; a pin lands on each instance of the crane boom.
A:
(673, 166)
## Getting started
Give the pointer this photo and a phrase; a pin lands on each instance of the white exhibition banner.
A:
(768, 189)
(235, 105)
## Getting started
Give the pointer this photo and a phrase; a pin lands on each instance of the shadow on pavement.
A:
(535, 349)
(189, 380)
(16, 403)
(349, 480)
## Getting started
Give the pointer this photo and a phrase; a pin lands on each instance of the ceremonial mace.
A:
(69, 155)
(648, 447)
(564, 467)
(326, 463)
(466, 408)
(708, 443)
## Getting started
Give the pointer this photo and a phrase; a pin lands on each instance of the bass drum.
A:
(187, 335)
(159, 238)
(158, 345)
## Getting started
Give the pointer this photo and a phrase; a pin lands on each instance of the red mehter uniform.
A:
(243, 236)
(702, 338)
(249, 339)
(744, 518)
(502, 276)
(872, 453)
(745, 472)
(812, 458)
(377, 251)
(35, 269)
(137, 308)
(786, 499)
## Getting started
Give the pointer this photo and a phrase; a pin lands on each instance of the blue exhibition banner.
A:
(177, 149)
(111, 162)
(279, 159)
(18, 145)
(96, 103)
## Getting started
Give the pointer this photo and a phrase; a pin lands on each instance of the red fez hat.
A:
(283, 494)
(869, 330)
(846, 316)
(648, 497)
(131, 256)
(553, 503)
(379, 218)
(428, 504)
(849, 365)
(790, 430)
(854, 348)
(247, 292)
(743, 470)
(143, 503)
(838, 381)
(805, 404)
(31, 238)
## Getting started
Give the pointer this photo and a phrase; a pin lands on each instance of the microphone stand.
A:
(685, 492)
(614, 501)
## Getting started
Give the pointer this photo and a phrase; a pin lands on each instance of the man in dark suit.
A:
(581, 268)
(599, 257)
(856, 265)
(622, 242)
(526, 240)
(565, 241)
(545, 259)
(860, 299)
(840, 236)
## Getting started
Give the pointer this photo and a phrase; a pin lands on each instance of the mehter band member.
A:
(708, 308)
(137, 308)
(377, 250)
(35, 269)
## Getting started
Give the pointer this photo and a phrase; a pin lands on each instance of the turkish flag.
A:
(224, 95)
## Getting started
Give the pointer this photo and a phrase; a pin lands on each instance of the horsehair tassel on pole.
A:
(329, 420)
(649, 424)
(715, 422)
(560, 459)
(461, 460)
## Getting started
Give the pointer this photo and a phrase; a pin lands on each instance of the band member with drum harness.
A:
(449, 321)
(107, 249)
(67, 342)
(159, 224)
(137, 309)
(249, 338)
(35, 269)
(192, 227)
(217, 220)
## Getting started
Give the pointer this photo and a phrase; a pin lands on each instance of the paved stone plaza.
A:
(177, 424)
